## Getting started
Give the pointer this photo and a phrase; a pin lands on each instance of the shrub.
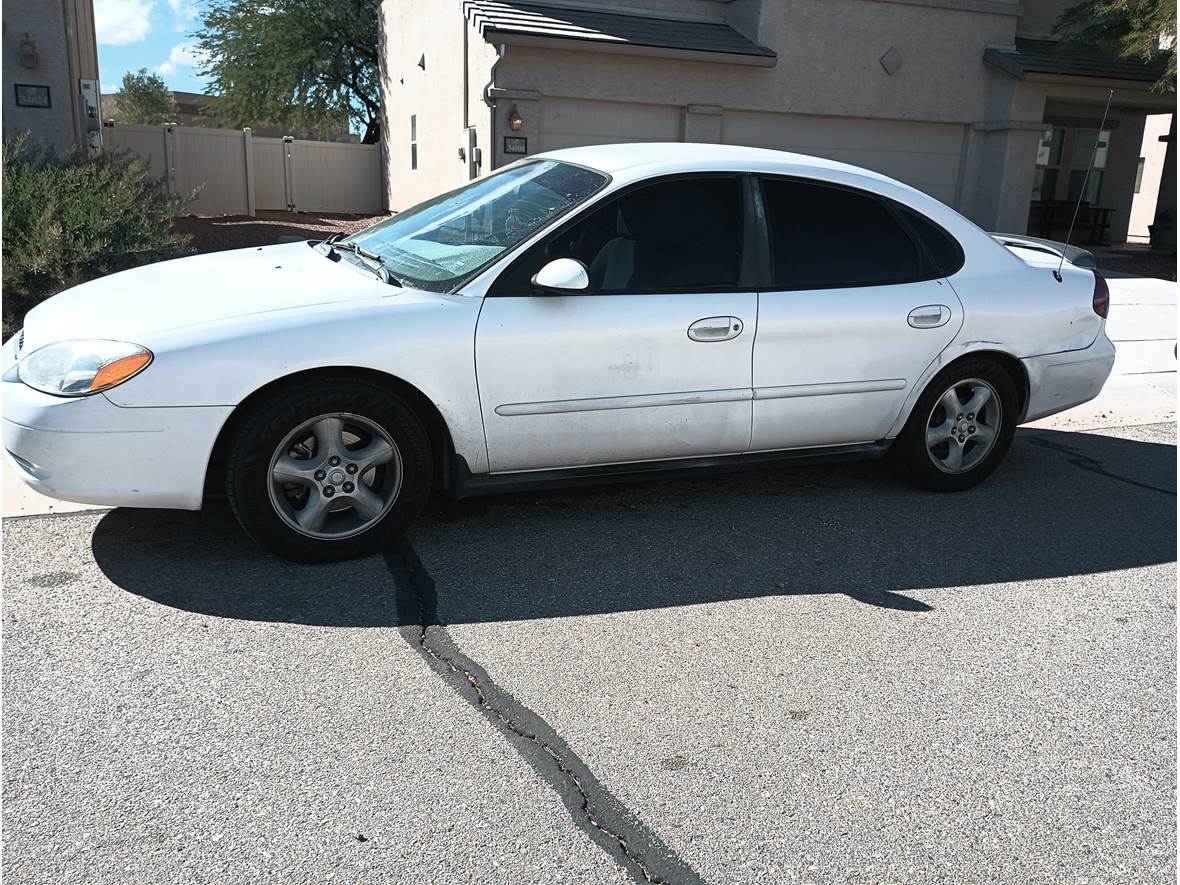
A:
(71, 218)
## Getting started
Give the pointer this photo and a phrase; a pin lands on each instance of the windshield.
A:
(439, 244)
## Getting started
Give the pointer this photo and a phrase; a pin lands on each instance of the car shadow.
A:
(1063, 504)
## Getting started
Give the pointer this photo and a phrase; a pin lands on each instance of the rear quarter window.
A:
(942, 250)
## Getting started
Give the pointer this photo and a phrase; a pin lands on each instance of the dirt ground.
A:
(216, 233)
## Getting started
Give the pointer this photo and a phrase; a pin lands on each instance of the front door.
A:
(856, 313)
(652, 362)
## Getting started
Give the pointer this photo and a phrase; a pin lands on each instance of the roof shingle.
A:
(1032, 56)
(494, 18)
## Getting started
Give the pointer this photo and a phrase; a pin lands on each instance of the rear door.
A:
(652, 362)
(856, 312)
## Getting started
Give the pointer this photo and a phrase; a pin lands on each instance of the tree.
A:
(306, 63)
(1137, 29)
(144, 99)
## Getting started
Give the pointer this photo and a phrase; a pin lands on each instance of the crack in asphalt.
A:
(595, 811)
(1093, 465)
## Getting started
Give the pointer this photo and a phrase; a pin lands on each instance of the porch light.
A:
(27, 53)
(515, 120)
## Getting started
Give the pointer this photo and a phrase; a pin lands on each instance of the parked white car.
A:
(581, 315)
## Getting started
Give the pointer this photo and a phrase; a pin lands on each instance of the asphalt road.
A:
(803, 675)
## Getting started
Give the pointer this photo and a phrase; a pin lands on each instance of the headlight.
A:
(80, 368)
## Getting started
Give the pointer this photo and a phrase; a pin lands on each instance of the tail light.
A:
(1101, 295)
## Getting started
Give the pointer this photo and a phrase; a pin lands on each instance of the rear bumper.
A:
(91, 451)
(1060, 381)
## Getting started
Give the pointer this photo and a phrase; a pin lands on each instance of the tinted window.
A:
(826, 237)
(684, 234)
(942, 248)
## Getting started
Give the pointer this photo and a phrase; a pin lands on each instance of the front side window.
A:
(439, 244)
(683, 234)
(826, 237)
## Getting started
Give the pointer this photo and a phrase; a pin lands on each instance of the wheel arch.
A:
(1009, 363)
(441, 444)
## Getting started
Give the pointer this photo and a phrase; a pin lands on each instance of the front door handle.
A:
(930, 316)
(715, 329)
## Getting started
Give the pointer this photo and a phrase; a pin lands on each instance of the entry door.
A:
(651, 362)
(857, 312)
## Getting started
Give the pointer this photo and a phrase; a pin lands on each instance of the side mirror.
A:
(562, 276)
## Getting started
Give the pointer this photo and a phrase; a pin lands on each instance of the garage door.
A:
(571, 122)
(924, 155)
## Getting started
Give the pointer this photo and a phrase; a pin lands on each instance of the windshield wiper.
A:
(371, 260)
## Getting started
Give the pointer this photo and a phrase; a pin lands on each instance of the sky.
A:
(152, 34)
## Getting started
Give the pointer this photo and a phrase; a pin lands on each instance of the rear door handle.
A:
(715, 329)
(930, 316)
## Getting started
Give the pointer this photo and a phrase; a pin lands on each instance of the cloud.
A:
(184, 8)
(119, 22)
(186, 55)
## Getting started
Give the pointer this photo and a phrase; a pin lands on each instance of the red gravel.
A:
(215, 233)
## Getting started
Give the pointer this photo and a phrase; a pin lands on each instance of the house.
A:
(50, 61)
(973, 101)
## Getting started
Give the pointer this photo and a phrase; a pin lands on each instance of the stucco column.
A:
(702, 123)
(1163, 231)
(1003, 174)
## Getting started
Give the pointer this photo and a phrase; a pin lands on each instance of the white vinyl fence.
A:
(235, 173)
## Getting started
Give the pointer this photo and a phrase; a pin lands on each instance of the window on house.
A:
(413, 141)
(1048, 164)
(1139, 174)
(1088, 143)
(824, 237)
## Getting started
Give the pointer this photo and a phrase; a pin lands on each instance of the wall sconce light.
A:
(515, 120)
(27, 52)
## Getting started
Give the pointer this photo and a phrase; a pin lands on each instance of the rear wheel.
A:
(960, 428)
(330, 471)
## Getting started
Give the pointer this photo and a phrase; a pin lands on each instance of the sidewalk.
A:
(1142, 389)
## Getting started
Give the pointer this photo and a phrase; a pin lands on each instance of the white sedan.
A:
(578, 316)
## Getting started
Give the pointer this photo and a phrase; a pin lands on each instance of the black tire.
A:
(909, 452)
(261, 430)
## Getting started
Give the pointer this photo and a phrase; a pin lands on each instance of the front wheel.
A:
(329, 471)
(960, 429)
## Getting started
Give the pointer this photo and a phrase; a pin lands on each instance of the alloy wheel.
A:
(963, 426)
(335, 476)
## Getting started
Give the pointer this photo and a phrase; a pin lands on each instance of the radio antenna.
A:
(1085, 181)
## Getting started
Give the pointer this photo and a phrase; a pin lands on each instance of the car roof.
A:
(677, 156)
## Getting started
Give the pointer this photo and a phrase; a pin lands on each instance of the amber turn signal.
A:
(118, 371)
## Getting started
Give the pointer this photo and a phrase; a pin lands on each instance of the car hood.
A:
(133, 304)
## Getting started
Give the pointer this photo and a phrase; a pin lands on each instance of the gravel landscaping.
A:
(216, 233)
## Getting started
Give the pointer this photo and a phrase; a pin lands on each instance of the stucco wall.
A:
(1041, 16)
(823, 46)
(66, 51)
(1153, 151)
(444, 98)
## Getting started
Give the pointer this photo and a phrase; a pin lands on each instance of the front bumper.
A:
(91, 451)
(1060, 381)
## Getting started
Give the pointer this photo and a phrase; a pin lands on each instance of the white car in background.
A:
(578, 316)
